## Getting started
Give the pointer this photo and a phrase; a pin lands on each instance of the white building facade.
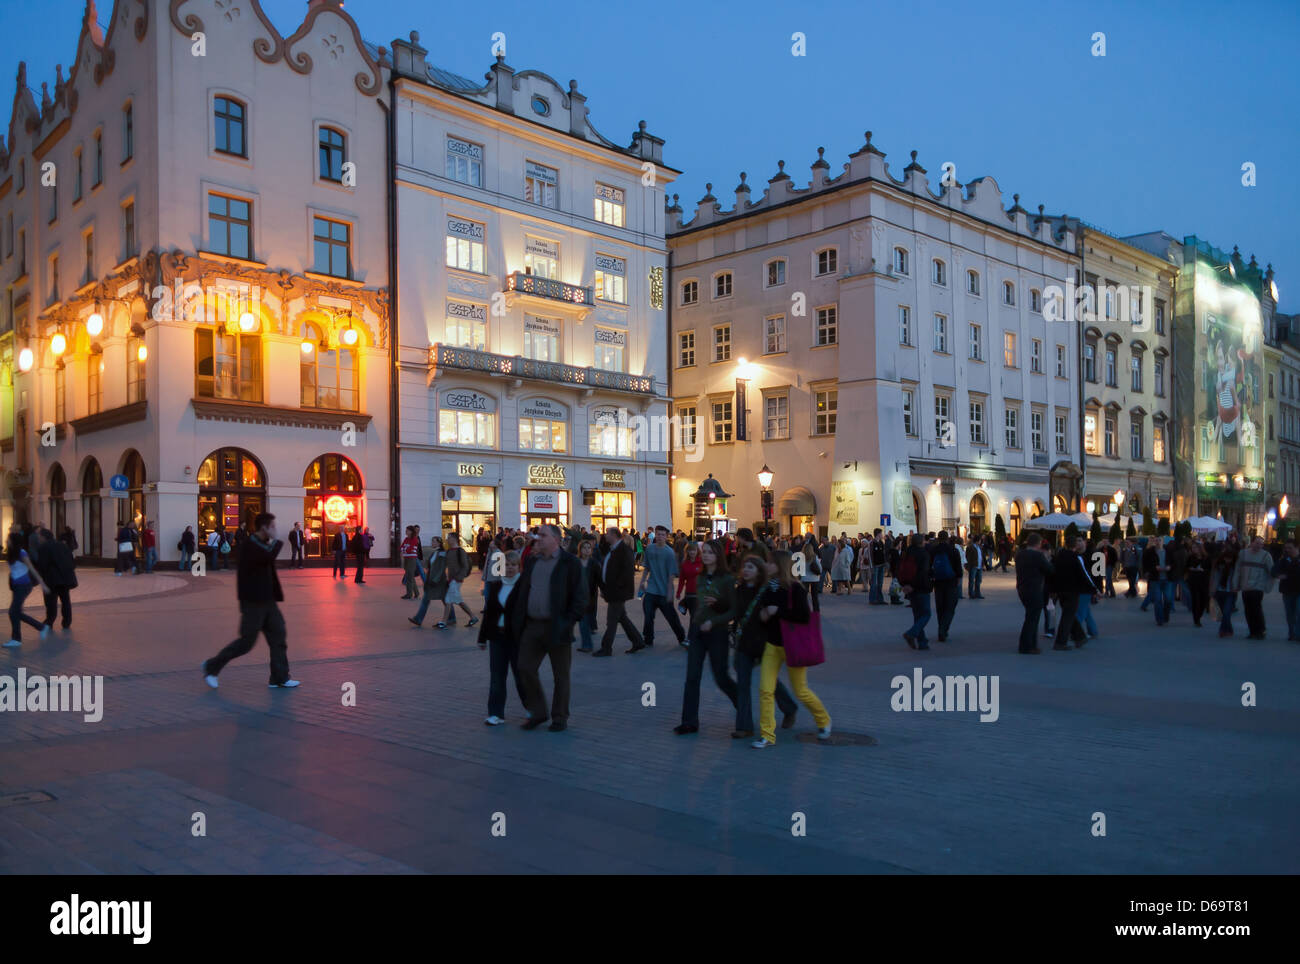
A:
(898, 371)
(195, 279)
(531, 269)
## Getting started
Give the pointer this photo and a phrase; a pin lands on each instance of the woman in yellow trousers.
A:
(784, 598)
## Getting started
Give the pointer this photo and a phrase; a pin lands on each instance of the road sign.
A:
(884, 519)
(118, 485)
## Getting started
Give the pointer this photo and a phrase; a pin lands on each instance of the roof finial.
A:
(641, 126)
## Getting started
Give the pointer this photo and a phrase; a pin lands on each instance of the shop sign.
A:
(552, 474)
(337, 509)
(543, 501)
(464, 398)
(470, 469)
(614, 478)
(543, 408)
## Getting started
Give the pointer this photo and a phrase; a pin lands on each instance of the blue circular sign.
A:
(119, 483)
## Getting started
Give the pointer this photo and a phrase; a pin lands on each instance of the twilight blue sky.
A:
(1151, 136)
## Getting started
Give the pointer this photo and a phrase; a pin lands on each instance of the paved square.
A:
(1144, 725)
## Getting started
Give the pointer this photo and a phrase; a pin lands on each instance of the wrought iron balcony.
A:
(531, 284)
(515, 366)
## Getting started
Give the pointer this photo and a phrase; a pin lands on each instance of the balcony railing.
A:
(514, 366)
(531, 284)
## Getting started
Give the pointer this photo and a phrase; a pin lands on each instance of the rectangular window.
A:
(54, 278)
(1091, 442)
(722, 343)
(722, 285)
(330, 378)
(99, 159)
(1061, 447)
(941, 333)
(228, 117)
(940, 275)
(542, 435)
(1270, 385)
(828, 325)
(977, 422)
(61, 392)
(909, 403)
(128, 133)
(904, 325)
(976, 346)
(827, 261)
(94, 384)
(135, 371)
(1036, 431)
(1009, 349)
(1090, 362)
(825, 403)
(541, 257)
(943, 427)
(1060, 361)
(776, 416)
(900, 261)
(465, 245)
(54, 202)
(1135, 366)
(775, 273)
(611, 279)
(541, 185)
(608, 435)
(128, 231)
(690, 292)
(228, 366)
(1008, 293)
(542, 338)
(88, 273)
(1112, 376)
(466, 325)
(230, 226)
(76, 185)
(1160, 324)
(721, 421)
(1112, 444)
(332, 244)
(22, 253)
(1135, 439)
(686, 417)
(685, 349)
(332, 151)
(773, 334)
(464, 162)
(973, 282)
(1036, 356)
(610, 205)
(1013, 428)
(1158, 442)
(609, 349)
(476, 429)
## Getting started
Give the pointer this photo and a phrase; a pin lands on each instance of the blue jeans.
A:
(1162, 592)
(651, 603)
(1290, 603)
(425, 601)
(1227, 603)
(920, 616)
(1084, 615)
(587, 626)
(877, 594)
(16, 615)
(185, 560)
(150, 558)
(976, 579)
(744, 693)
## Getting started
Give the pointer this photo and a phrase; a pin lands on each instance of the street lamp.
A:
(765, 497)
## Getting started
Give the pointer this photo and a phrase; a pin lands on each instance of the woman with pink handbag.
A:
(789, 622)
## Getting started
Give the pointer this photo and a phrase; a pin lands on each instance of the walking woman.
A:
(1198, 580)
(784, 598)
(500, 637)
(687, 579)
(1222, 575)
(751, 640)
(840, 568)
(457, 570)
(812, 574)
(590, 582)
(715, 594)
(435, 582)
(22, 580)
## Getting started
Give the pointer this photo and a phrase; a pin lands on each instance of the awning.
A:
(797, 501)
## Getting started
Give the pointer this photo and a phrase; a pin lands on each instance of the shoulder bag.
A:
(803, 641)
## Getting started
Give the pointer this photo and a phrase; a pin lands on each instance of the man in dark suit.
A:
(295, 545)
(914, 574)
(945, 578)
(974, 568)
(546, 605)
(58, 573)
(360, 546)
(1032, 569)
(258, 587)
(1072, 580)
(617, 581)
(339, 546)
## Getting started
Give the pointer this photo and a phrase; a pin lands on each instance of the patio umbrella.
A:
(1204, 524)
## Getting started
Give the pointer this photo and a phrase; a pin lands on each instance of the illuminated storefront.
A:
(612, 504)
(334, 500)
(473, 507)
(232, 490)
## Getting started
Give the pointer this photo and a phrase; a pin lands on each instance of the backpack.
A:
(907, 569)
(942, 568)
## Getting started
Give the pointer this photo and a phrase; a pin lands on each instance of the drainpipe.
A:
(394, 457)
(1080, 340)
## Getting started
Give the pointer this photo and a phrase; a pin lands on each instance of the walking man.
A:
(616, 579)
(1254, 577)
(1072, 580)
(547, 604)
(258, 587)
(660, 573)
(974, 568)
(361, 549)
(339, 545)
(914, 574)
(1032, 569)
(296, 544)
(945, 576)
(58, 571)
(876, 552)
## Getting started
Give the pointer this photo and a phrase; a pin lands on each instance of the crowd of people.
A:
(37, 559)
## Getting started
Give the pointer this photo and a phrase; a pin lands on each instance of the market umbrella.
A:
(1204, 524)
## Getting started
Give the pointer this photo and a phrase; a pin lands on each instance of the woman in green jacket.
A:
(715, 605)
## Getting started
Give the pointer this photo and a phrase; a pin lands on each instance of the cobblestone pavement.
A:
(1145, 725)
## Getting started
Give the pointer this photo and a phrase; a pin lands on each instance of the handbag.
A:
(733, 637)
(803, 641)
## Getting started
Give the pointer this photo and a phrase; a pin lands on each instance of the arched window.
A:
(92, 520)
(131, 509)
(58, 505)
(978, 514)
(229, 134)
(232, 491)
(228, 365)
(135, 368)
(940, 273)
(330, 376)
(901, 260)
(973, 282)
(1015, 520)
(334, 499)
(333, 152)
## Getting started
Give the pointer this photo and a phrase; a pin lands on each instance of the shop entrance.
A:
(611, 509)
(476, 508)
(802, 525)
(543, 507)
(333, 500)
(232, 491)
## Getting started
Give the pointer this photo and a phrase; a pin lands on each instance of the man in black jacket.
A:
(914, 574)
(1032, 569)
(945, 577)
(339, 546)
(258, 587)
(58, 573)
(296, 542)
(546, 605)
(360, 547)
(617, 581)
(1072, 580)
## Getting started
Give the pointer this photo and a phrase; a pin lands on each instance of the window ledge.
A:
(256, 413)
(112, 418)
(231, 259)
(334, 278)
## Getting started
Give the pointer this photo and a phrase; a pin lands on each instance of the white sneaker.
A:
(494, 721)
(46, 631)
(824, 732)
(208, 677)
(286, 685)
(762, 744)
(13, 644)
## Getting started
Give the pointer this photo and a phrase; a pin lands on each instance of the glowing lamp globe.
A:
(58, 344)
(94, 325)
(349, 335)
(25, 360)
(307, 347)
(142, 353)
(247, 322)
